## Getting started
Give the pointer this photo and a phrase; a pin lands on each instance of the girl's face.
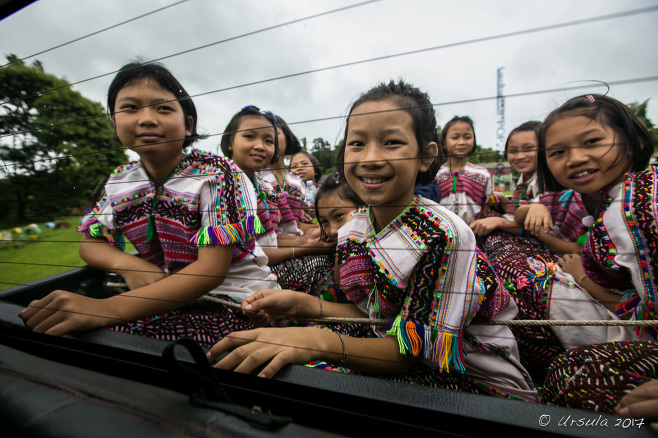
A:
(149, 120)
(382, 157)
(334, 212)
(301, 166)
(522, 152)
(253, 144)
(459, 140)
(579, 152)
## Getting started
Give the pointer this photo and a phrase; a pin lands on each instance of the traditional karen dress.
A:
(465, 192)
(205, 201)
(621, 255)
(424, 273)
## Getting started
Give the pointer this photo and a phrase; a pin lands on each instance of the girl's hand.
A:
(317, 246)
(269, 305)
(484, 227)
(306, 218)
(61, 312)
(538, 220)
(572, 264)
(642, 402)
(275, 347)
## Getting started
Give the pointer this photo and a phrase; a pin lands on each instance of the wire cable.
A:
(18, 61)
(298, 20)
(455, 102)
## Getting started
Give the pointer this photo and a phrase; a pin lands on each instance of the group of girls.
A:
(577, 242)
(206, 225)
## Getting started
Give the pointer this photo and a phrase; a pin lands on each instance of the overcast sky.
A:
(611, 50)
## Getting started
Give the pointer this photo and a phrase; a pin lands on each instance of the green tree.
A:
(486, 155)
(326, 155)
(640, 110)
(56, 146)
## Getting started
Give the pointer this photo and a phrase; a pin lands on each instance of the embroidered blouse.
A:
(621, 253)
(464, 192)
(422, 272)
(206, 200)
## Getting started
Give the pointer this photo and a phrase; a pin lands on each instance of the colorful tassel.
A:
(150, 228)
(229, 234)
(374, 304)
(564, 199)
(99, 231)
(582, 240)
(444, 348)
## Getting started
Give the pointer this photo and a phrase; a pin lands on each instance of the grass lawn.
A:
(53, 251)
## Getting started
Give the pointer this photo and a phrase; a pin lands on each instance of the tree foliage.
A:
(640, 110)
(56, 146)
(324, 152)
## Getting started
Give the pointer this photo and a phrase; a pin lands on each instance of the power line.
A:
(18, 61)
(380, 58)
(298, 20)
(454, 102)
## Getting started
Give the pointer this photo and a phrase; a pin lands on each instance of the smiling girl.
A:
(250, 139)
(306, 166)
(191, 216)
(521, 152)
(596, 146)
(403, 258)
(465, 187)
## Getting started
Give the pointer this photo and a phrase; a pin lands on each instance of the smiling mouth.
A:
(582, 174)
(374, 180)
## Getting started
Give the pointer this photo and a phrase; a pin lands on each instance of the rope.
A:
(518, 322)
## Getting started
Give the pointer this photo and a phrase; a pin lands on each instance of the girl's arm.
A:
(485, 226)
(136, 271)
(61, 312)
(559, 246)
(269, 305)
(290, 247)
(278, 347)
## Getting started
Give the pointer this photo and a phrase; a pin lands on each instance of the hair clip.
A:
(590, 98)
(276, 122)
(244, 108)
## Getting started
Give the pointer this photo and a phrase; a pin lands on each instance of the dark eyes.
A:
(592, 140)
